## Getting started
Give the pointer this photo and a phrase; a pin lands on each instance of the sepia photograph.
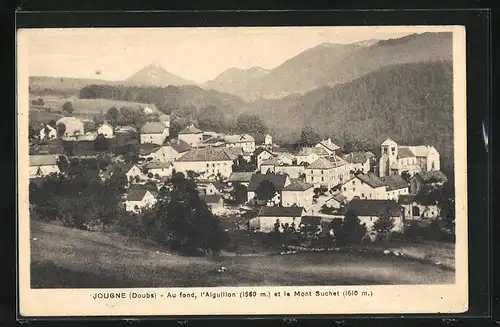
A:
(222, 163)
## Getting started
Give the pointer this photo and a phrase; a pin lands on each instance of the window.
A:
(415, 212)
(393, 150)
(362, 195)
(353, 182)
(353, 189)
(312, 178)
(322, 172)
(345, 188)
(208, 165)
(322, 179)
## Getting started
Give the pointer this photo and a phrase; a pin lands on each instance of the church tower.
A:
(388, 156)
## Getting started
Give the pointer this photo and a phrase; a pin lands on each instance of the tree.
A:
(239, 193)
(62, 163)
(352, 230)
(67, 107)
(40, 102)
(384, 224)
(101, 143)
(251, 124)
(241, 165)
(113, 116)
(211, 118)
(265, 191)
(406, 176)
(309, 137)
(61, 129)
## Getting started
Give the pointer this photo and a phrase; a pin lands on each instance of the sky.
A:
(196, 54)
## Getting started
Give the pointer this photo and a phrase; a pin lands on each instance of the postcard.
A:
(242, 171)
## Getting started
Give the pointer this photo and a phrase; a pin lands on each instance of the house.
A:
(297, 193)
(171, 151)
(310, 224)
(154, 132)
(72, 126)
(165, 120)
(368, 211)
(191, 135)
(244, 141)
(294, 171)
(43, 165)
(328, 172)
(269, 217)
(48, 133)
(263, 139)
(159, 169)
(416, 211)
(337, 201)
(267, 165)
(364, 186)
(147, 150)
(395, 186)
(131, 172)
(327, 145)
(212, 188)
(432, 179)
(138, 199)
(208, 162)
(240, 177)
(279, 182)
(396, 159)
(260, 154)
(310, 155)
(360, 161)
(214, 202)
(106, 130)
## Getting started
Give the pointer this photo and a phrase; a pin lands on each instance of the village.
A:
(248, 181)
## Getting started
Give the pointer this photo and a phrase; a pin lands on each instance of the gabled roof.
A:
(191, 129)
(297, 185)
(136, 194)
(259, 150)
(328, 144)
(308, 150)
(278, 180)
(280, 211)
(327, 163)
(404, 152)
(43, 160)
(388, 141)
(406, 199)
(370, 179)
(370, 154)
(180, 146)
(240, 177)
(218, 185)
(238, 138)
(209, 154)
(158, 165)
(339, 197)
(125, 129)
(273, 161)
(153, 127)
(211, 198)
(356, 157)
(310, 220)
(433, 176)
(147, 148)
(394, 182)
(363, 207)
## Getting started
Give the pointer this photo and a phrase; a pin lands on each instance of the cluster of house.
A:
(301, 179)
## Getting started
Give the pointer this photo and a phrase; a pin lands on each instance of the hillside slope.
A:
(411, 103)
(235, 80)
(330, 64)
(155, 75)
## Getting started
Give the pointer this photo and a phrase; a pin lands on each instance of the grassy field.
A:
(63, 257)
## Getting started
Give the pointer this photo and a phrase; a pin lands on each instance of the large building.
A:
(72, 126)
(328, 172)
(396, 159)
(297, 193)
(208, 162)
(369, 186)
(154, 132)
(244, 141)
(191, 135)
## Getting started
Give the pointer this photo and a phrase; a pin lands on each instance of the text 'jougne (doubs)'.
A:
(246, 294)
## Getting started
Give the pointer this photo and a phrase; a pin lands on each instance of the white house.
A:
(131, 172)
(208, 162)
(418, 211)
(269, 217)
(106, 130)
(364, 186)
(261, 154)
(327, 145)
(48, 133)
(72, 126)
(369, 211)
(395, 159)
(277, 180)
(328, 172)
(294, 171)
(42, 165)
(172, 151)
(310, 155)
(244, 141)
(297, 193)
(215, 203)
(337, 201)
(395, 186)
(138, 199)
(240, 177)
(154, 132)
(360, 161)
(159, 168)
(191, 135)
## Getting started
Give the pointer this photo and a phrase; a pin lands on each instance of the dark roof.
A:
(259, 150)
(310, 220)
(180, 146)
(280, 211)
(259, 138)
(210, 154)
(218, 185)
(356, 157)
(158, 164)
(370, 179)
(148, 148)
(153, 127)
(339, 197)
(362, 207)
(394, 182)
(406, 199)
(405, 153)
(136, 194)
(278, 180)
(211, 198)
(191, 129)
(240, 177)
(297, 185)
(43, 160)
(327, 163)
(433, 176)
